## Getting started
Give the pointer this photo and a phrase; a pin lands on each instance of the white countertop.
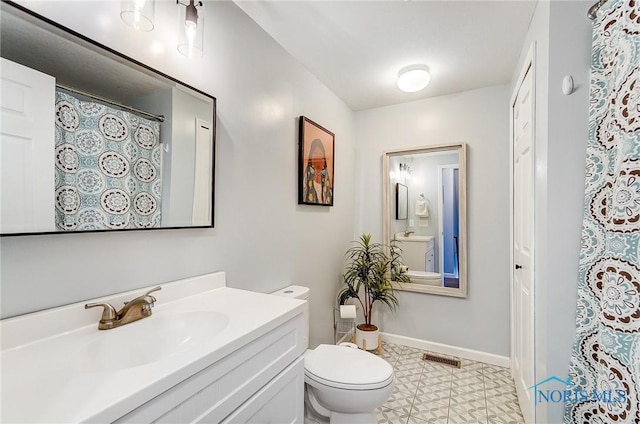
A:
(48, 368)
(412, 238)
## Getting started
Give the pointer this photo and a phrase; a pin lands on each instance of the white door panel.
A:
(27, 143)
(522, 294)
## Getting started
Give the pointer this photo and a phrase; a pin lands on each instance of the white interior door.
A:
(27, 140)
(522, 320)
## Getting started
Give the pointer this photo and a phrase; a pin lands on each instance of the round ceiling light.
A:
(413, 78)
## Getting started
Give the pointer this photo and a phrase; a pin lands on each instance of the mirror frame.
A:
(138, 67)
(461, 148)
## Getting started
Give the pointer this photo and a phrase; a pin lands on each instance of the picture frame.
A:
(316, 164)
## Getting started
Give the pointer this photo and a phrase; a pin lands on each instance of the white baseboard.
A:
(461, 352)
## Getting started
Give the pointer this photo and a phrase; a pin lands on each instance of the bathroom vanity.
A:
(418, 252)
(208, 353)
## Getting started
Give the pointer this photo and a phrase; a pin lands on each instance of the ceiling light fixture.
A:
(191, 28)
(413, 78)
(138, 14)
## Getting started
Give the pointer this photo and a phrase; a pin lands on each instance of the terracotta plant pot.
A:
(367, 336)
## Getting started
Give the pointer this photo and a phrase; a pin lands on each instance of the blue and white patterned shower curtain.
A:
(605, 363)
(107, 167)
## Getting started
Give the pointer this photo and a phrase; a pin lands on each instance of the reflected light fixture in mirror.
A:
(190, 29)
(138, 14)
(405, 170)
(413, 78)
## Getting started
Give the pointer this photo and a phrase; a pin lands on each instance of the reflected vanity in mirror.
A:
(95, 141)
(431, 240)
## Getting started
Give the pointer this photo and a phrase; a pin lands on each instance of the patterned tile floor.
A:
(427, 392)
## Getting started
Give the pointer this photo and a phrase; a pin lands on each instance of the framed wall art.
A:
(316, 164)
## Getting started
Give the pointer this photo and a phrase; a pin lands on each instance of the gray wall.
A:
(479, 118)
(562, 34)
(262, 239)
(569, 54)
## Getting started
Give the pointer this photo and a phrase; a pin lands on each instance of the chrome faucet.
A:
(408, 233)
(135, 309)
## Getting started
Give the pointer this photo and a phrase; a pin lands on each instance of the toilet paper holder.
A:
(344, 324)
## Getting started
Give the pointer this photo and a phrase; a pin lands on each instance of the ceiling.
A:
(75, 63)
(356, 48)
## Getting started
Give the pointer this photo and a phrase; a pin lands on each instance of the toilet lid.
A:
(347, 368)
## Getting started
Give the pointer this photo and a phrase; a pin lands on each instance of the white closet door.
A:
(523, 355)
(27, 143)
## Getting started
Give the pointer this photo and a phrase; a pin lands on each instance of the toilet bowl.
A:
(425, 277)
(345, 385)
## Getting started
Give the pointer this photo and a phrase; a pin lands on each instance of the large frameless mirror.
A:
(431, 241)
(95, 141)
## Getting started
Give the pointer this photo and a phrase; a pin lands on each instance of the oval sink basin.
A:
(149, 340)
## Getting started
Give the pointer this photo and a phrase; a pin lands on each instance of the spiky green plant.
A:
(397, 273)
(368, 269)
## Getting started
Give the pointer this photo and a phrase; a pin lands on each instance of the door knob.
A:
(518, 266)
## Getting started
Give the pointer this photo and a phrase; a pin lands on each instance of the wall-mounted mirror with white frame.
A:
(93, 140)
(432, 242)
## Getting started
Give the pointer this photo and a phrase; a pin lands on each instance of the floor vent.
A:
(452, 362)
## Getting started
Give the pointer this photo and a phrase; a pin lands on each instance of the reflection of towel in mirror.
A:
(421, 208)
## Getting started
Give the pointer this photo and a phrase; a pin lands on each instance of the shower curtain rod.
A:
(111, 102)
(593, 10)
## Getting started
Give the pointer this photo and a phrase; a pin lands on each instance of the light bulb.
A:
(138, 14)
(413, 78)
(190, 32)
(191, 43)
(137, 8)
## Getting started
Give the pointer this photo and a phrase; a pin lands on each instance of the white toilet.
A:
(425, 277)
(342, 384)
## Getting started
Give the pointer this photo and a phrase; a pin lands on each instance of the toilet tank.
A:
(302, 293)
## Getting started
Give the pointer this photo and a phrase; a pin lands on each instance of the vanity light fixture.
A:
(138, 14)
(413, 78)
(405, 168)
(405, 171)
(191, 29)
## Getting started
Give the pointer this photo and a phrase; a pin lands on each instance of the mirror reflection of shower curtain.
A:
(108, 167)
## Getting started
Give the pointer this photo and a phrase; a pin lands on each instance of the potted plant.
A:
(367, 278)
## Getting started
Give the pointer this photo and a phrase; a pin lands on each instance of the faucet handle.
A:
(153, 299)
(153, 290)
(108, 314)
(147, 295)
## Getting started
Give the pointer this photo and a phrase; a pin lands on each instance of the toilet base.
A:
(365, 418)
(314, 413)
(339, 418)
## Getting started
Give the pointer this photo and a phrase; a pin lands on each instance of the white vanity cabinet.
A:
(262, 382)
(265, 376)
(418, 252)
(430, 256)
(208, 354)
